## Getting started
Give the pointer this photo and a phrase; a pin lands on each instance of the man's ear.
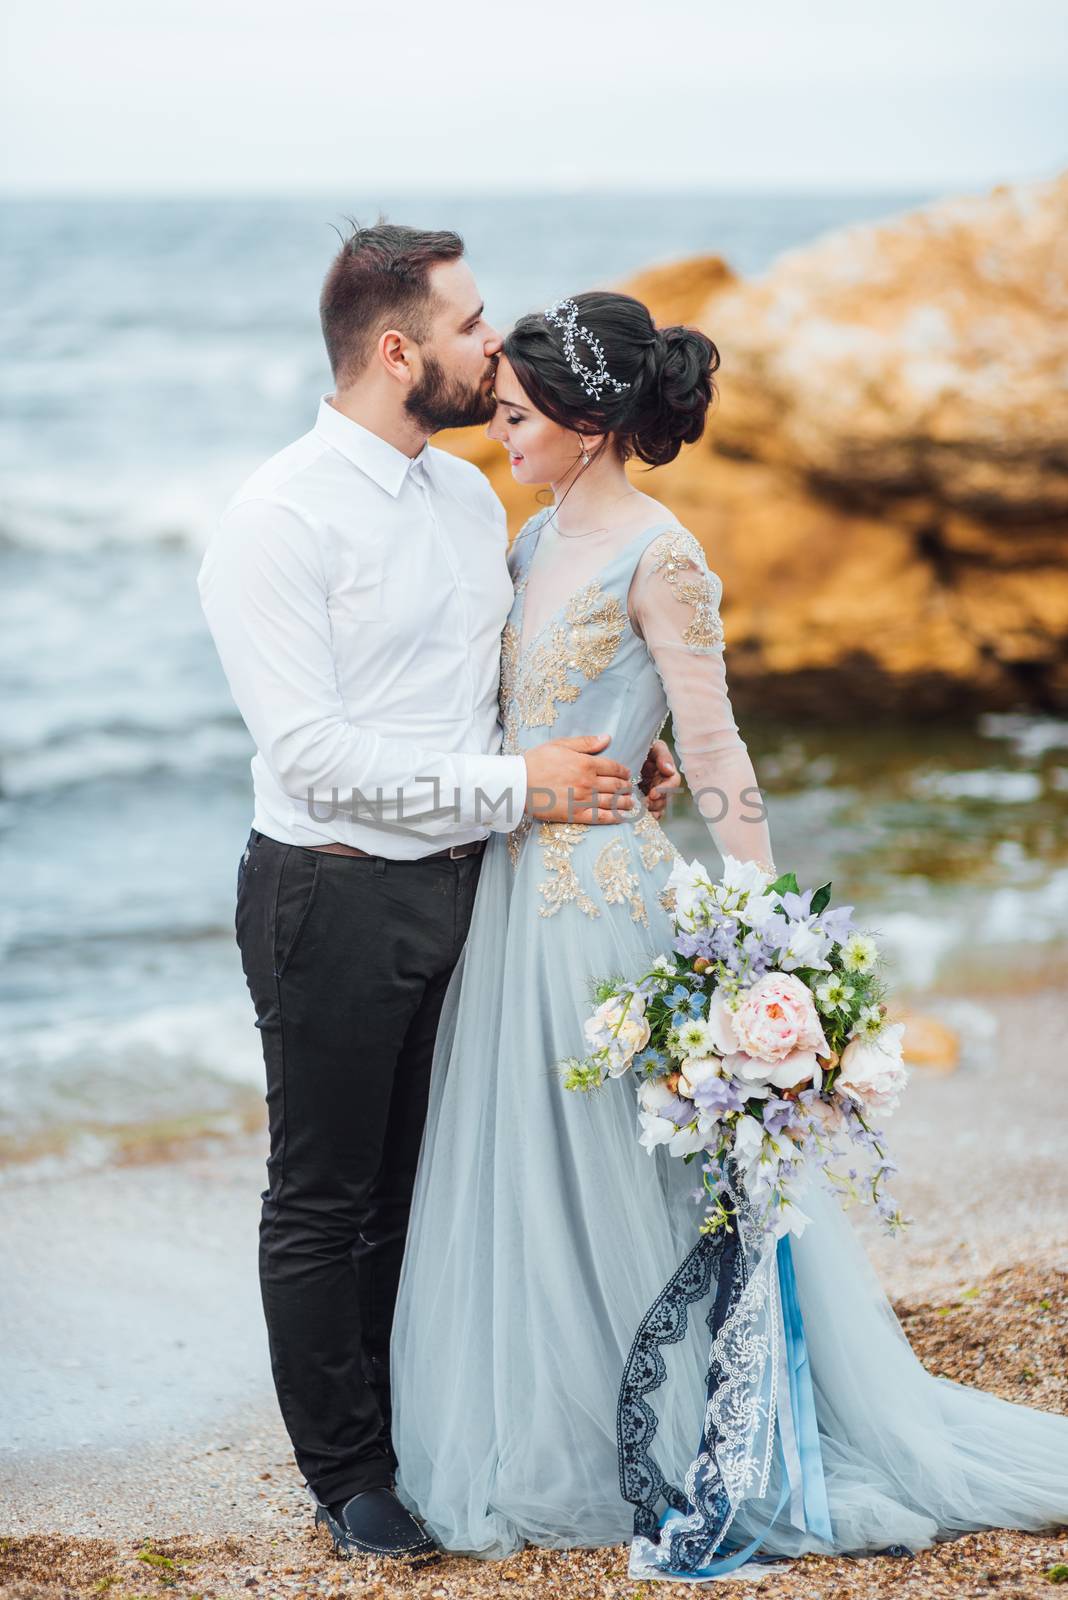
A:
(395, 352)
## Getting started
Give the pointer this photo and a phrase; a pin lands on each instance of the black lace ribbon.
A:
(718, 1256)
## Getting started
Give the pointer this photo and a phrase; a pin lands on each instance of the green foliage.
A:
(605, 989)
(821, 899)
(1058, 1573)
(155, 1558)
(581, 1076)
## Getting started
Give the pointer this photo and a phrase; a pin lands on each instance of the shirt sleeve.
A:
(674, 604)
(264, 593)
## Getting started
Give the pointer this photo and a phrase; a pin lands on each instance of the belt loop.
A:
(380, 866)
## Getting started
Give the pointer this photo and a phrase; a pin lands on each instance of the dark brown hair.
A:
(668, 370)
(379, 279)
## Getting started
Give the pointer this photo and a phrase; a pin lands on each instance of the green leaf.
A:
(821, 899)
(786, 883)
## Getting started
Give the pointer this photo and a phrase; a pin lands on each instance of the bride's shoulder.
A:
(675, 589)
(522, 546)
(671, 550)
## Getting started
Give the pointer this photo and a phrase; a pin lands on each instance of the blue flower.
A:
(686, 1005)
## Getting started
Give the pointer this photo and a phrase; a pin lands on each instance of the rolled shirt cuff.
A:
(499, 792)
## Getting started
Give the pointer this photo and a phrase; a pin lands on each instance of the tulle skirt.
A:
(541, 1232)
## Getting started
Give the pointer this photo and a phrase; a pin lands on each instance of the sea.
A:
(153, 353)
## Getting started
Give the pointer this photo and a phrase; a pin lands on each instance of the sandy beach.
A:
(141, 1445)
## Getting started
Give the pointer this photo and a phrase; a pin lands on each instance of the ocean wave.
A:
(1031, 733)
(84, 756)
(999, 786)
(62, 517)
(165, 1061)
(1013, 918)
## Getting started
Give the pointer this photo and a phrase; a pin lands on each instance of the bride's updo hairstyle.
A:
(668, 370)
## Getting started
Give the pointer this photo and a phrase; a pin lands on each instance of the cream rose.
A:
(633, 1036)
(873, 1071)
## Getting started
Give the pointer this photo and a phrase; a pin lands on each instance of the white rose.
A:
(655, 1096)
(696, 1070)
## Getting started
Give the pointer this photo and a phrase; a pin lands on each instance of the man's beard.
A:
(440, 402)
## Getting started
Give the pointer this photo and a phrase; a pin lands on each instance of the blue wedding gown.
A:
(541, 1232)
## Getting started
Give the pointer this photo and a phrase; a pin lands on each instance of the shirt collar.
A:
(375, 456)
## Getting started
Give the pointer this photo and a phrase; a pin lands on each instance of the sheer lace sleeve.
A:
(674, 605)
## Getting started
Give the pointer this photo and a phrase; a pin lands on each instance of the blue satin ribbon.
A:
(817, 1516)
(805, 1437)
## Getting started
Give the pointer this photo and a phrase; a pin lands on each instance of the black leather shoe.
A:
(375, 1523)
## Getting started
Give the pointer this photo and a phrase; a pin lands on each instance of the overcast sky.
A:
(200, 96)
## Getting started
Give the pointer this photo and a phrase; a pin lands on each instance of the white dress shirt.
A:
(356, 596)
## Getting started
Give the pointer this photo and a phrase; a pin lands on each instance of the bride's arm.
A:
(674, 606)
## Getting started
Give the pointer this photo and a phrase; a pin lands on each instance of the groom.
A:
(356, 589)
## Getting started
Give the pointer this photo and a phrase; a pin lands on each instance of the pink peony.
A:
(778, 1016)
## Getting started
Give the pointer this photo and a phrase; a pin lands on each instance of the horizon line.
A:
(768, 188)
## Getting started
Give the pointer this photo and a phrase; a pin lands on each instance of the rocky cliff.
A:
(883, 486)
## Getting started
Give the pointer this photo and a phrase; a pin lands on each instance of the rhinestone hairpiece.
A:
(564, 314)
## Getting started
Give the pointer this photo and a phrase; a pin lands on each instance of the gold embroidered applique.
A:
(654, 843)
(532, 687)
(676, 555)
(509, 724)
(544, 684)
(509, 669)
(666, 898)
(585, 642)
(518, 837)
(557, 840)
(618, 883)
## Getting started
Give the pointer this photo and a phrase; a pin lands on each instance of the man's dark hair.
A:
(380, 279)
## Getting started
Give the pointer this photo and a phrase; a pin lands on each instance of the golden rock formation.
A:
(883, 485)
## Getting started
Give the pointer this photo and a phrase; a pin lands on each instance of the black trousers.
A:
(347, 961)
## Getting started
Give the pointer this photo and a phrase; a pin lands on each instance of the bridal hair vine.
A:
(564, 314)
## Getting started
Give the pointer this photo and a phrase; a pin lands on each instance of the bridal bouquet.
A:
(761, 1043)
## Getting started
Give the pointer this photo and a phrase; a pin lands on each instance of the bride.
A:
(541, 1232)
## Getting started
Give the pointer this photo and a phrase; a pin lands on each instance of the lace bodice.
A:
(607, 638)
